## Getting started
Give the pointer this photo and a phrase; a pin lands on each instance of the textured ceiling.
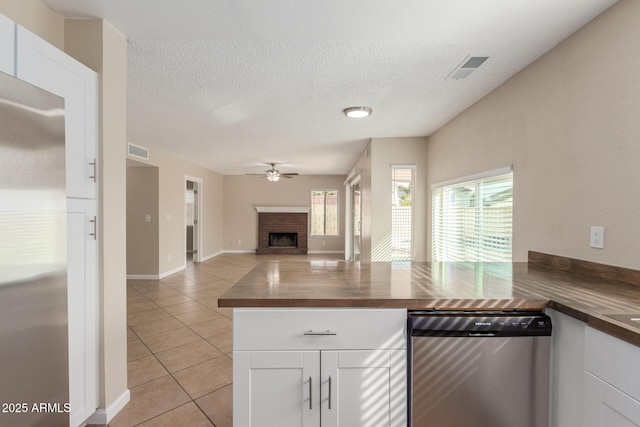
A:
(234, 84)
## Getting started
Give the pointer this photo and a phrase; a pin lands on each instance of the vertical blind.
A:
(472, 220)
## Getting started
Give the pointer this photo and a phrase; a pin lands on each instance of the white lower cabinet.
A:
(363, 388)
(611, 381)
(7, 45)
(312, 383)
(606, 406)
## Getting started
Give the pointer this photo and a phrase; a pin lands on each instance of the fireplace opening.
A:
(283, 240)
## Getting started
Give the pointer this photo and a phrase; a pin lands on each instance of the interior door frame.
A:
(349, 184)
(197, 215)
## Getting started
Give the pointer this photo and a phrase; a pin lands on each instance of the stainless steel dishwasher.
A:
(481, 369)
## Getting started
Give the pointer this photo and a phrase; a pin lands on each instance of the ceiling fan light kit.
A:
(357, 112)
(273, 174)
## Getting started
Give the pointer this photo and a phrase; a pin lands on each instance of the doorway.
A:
(356, 204)
(192, 216)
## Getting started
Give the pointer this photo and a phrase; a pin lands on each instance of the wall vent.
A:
(139, 152)
(466, 67)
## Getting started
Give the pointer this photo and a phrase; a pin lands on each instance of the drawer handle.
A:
(327, 332)
(310, 394)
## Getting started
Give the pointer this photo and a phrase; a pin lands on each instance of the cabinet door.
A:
(7, 45)
(567, 370)
(276, 388)
(606, 406)
(43, 65)
(364, 388)
(82, 308)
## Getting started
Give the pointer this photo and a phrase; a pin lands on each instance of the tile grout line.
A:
(222, 354)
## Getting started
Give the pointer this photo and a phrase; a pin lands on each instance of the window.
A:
(324, 212)
(472, 218)
(402, 184)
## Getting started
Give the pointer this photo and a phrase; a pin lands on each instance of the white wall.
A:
(569, 125)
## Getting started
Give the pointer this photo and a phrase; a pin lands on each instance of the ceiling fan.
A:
(274, 174)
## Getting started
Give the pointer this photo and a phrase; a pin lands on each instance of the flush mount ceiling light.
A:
(357, 112)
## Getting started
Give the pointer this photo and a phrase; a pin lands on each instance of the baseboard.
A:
(208, 257)
(143, 277)
(324, 252)
(104, 416)
(174, 271)
(240, 251)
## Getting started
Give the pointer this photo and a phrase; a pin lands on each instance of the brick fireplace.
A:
(282, 230)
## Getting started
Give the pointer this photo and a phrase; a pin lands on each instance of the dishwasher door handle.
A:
(481, 334)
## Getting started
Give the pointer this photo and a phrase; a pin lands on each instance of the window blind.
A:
(472, 220)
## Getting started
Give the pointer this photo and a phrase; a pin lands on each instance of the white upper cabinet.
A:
(7, 45)
(43, 65)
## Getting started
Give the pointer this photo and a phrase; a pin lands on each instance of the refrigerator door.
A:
(34, 374)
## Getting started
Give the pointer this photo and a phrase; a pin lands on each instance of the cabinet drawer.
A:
(318, 329)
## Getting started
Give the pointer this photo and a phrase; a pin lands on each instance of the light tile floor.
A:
(180, 344)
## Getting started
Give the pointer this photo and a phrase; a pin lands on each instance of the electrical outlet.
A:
(597, 237)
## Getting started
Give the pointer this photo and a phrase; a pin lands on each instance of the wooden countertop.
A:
(438, 286)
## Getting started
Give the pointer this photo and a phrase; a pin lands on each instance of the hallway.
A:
(180, 344)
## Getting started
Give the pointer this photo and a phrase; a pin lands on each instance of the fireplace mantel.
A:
(282, 209)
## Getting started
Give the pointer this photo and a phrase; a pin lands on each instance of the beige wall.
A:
(172, 230)
(386, 152)
(143, 238)
(37, 18)
(242, 193)
(569, 125)
(99, 46)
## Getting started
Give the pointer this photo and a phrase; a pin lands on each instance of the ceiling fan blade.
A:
(290, 174)
(256, 174)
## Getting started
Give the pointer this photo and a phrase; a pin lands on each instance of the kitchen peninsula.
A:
(283, 307)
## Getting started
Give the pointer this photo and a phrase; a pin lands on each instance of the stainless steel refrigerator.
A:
(34, 372)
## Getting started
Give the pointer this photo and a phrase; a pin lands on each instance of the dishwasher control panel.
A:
(428, 323)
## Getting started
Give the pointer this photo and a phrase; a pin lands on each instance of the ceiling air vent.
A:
(139, 152)
(466, 67)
